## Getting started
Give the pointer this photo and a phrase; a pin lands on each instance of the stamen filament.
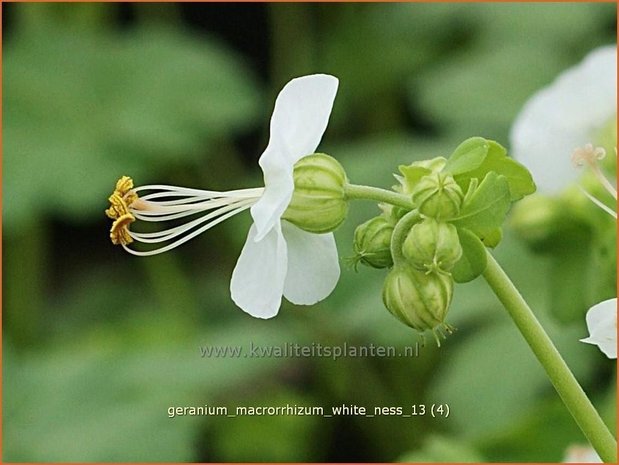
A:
(148, 211)
(597, 202)
(603, 180)
(242, 207)
(161, 236)
(186, 191)
(163, 203)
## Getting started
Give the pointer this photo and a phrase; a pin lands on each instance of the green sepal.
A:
(412, 174)
(473, 261)
(485, 208)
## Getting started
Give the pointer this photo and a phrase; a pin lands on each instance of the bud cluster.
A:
(419, 245)
(419, 288)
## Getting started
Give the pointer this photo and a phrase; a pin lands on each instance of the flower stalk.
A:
(563, 380)
(356, 192)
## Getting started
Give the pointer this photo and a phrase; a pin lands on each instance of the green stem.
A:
(355, 192)
(560, 375)
(400, 232)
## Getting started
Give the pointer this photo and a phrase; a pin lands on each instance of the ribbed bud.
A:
(318, 204)
(438, 196)
(373, 242)
(432, 246)
(419, 300)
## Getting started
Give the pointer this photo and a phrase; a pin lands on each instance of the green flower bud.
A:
(373, 242)
(438, 196)
(318, 204)
(413, 173)
(419, 300)
(432, 245)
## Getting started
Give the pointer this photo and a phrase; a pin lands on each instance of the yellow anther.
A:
(119, 234)
(124, 185)
(118, 206)
(120, 201)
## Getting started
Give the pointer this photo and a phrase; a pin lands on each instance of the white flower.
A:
(563, 116)
(602, 325)
(278, 258)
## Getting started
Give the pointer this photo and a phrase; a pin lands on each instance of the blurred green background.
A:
(98, 344)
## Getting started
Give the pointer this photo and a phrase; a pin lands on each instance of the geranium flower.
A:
(278, 259)
(563, 116)
(602, 325)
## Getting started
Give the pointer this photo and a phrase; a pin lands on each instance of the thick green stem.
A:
(400, 232)
(560, 375)
(355, 192)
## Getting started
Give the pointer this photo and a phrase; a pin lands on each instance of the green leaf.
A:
(518, 177)
(486, 208)
(473, 261)
(469, 155)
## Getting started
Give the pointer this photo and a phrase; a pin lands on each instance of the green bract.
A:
(485, 208)
(419, 300)
(372, 242)
(473, 261)
(318, 203)
(437, 195)
(476, 157)
(432, 246)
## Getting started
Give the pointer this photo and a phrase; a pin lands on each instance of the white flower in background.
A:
(581, 454)
(563, 116)
(278, 259)
(602, 325)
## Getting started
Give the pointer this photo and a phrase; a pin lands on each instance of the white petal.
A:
(279, 186)
(564, 116)
(300, 117)
(299, 120)
(602, 325)
(257, 282)
(313, 265)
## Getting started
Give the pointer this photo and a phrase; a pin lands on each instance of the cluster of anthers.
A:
(590, 156)
(171, 203)
(121, 200)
